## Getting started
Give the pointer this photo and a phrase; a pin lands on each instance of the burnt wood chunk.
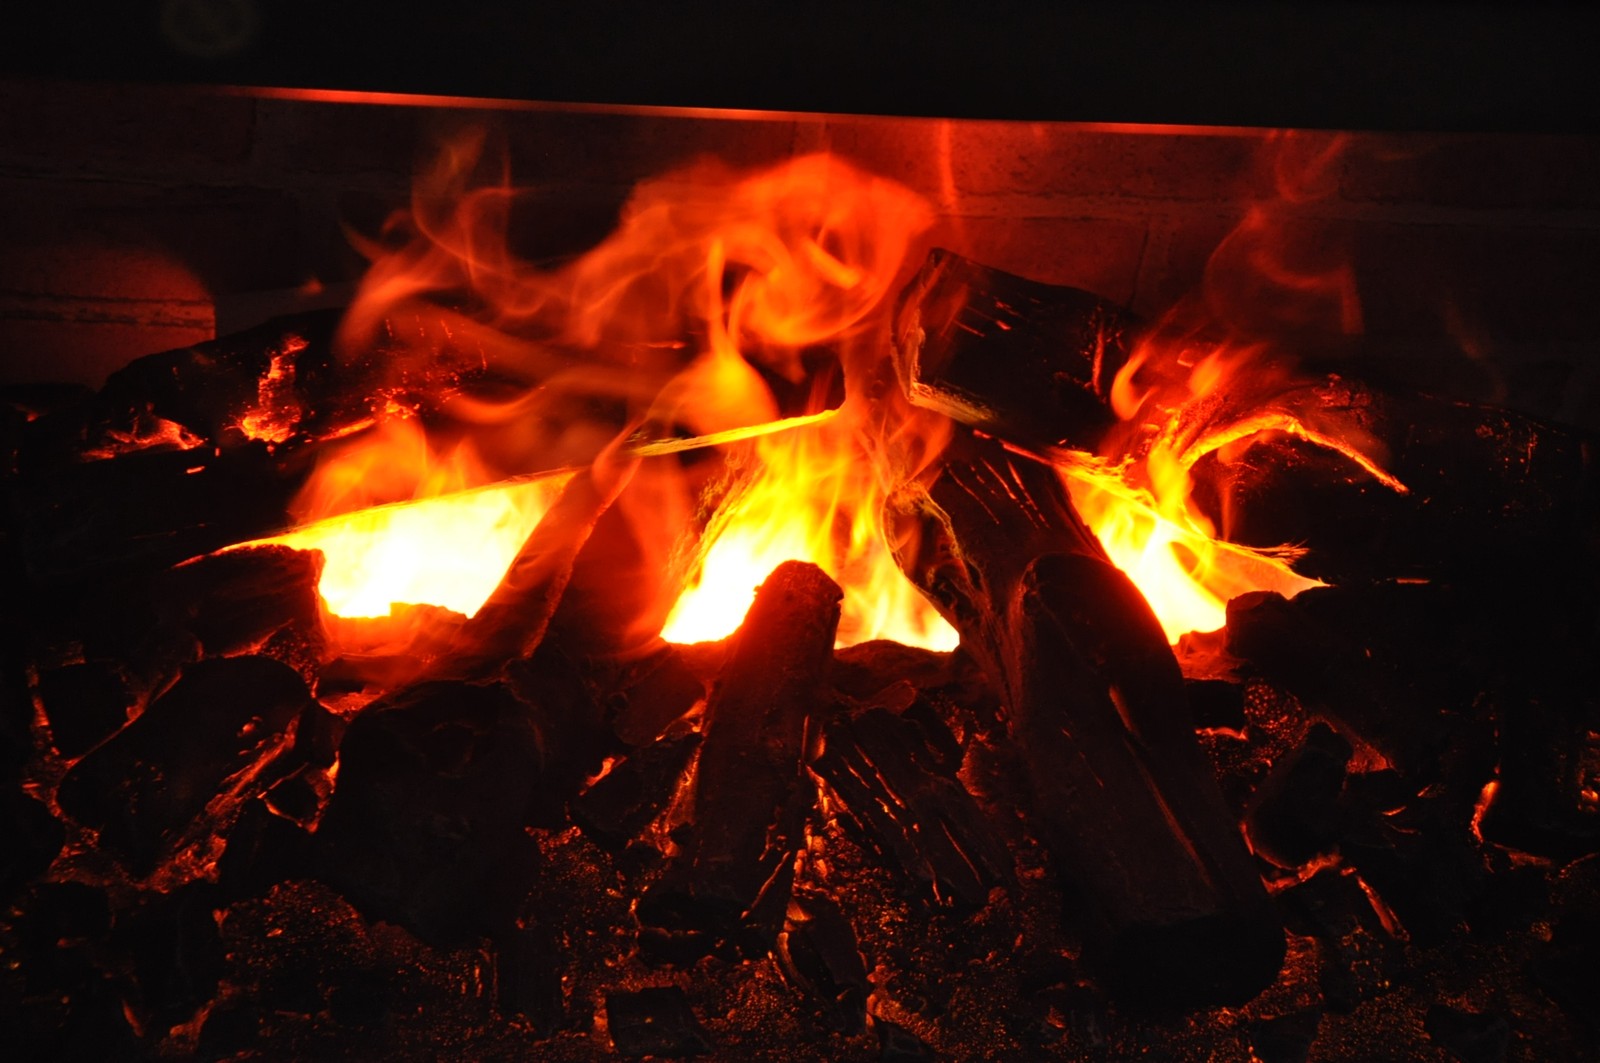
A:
(144, 785)
(888, 784)
(237, 600)
(514, 620)
(425, 825)
(1294, 815)
(1123, 796)
(730, 879)
(1481, 482)
(1469, 1036)
(657, 695)
(655, 1022)
(817, 954)
(31, 839)
(624, 800)
(528, 970)
(1031, 362)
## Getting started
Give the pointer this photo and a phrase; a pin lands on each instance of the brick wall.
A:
(141, 218)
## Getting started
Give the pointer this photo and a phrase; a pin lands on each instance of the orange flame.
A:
(1212, 377)
(716, 291)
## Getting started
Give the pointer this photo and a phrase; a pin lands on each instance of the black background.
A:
(1527, 67)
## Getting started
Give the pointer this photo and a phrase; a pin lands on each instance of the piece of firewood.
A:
(1031, 362)
(1123, 796)
(729, 881)
(513, 621)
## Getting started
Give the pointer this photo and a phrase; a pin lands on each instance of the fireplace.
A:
(1419, 807)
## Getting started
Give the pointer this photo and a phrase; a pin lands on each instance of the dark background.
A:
(1527, 67)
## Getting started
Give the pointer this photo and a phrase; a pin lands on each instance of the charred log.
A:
(84, 704)
(1122, 794)
(817, 954)
(425, 826)
(888, 783)
(1031, 362)
(729, 883)
(621, 803)
(141, 788)
(1294, 815)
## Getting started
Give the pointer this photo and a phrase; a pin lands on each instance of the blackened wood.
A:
(514, 619)
(1469, 1036)
(425, 826)
(863, 670)
(176, 949)
(818, 955)
(1481, 482)
(528, 972)
(731, 877)
(887, 782)
(144, 785)
(30, 838)
(1123, 796)
(1031, 362)
(634, 792)
(236, 600)
(656, 693)
(263, 849)
(144, 511)
(1294, 815)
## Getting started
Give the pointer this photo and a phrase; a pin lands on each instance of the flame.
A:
(718, 293)
(1213, 376)
(449, 545)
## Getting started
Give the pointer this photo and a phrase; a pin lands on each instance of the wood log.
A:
(1123, 796)
(1027, 361)
(729, 882)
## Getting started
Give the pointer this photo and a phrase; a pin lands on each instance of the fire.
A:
(717, 293)
(413, 526)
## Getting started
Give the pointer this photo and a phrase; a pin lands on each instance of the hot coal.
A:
(32, 838)
(144, 786)
(621, 803)
(818, 955)
(235, 601)
(263, 849)
(1216, 703)
(896, 1044)
(1294, 816)
(655, 1022)
(175, 951)
(425, 826)
(891, 786)
(1469, 1036)
(1285, 1038)
(528, 968)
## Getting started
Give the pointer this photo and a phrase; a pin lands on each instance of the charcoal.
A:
(728, 886)
(655, 1022)
(1122, 795)
(1383, 790)
(360, 998)
(234, 601)
(1471, 1037)
(263, 849)
(317, 734)
(63, 913)
(425, 825)
(658, 695)
(1032, 363)
(930, 714)
(86, 1021)
(1216, 703)
(1427, 874)
(143, 786)
(1329, 905)
(921, 821)
(1285, 1038)
(896, 1044)
(528, 975)
(1295, 813)
(176, 951)
(817, 954)
(84, 703)
(298, 795)
(32, 838)
(621, 803)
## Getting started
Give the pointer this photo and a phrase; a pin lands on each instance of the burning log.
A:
(1123, 796)
(888, 783)
(1027, 361)
(143, 786)
(729, 883)
(513, 621)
